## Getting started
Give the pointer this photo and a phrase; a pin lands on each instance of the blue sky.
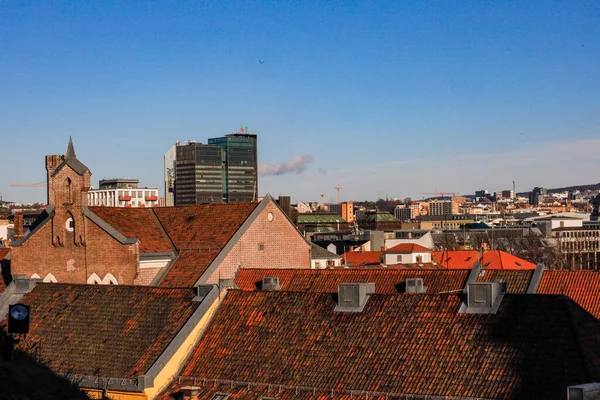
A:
(389, 98)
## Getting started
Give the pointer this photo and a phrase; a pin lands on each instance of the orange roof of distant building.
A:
(356, 258)
(493, 259)
(408, 248)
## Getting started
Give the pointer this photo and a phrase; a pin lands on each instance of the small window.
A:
(261, 247)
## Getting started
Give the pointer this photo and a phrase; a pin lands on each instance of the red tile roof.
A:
(356, 258)
(400, 345)
(137, 223)
(205, 226)
(404, 248)
(387, 281)
(188, 268)
(493, 259)
(4, 252)
(581, 286)
(516, 281)
(103, 330)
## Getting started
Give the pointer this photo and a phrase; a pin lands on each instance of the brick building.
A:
(170, 246)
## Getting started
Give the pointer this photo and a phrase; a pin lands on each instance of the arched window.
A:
(68, 190)
(109, 279)
(50, 279)
(35, 276)
(94, 280)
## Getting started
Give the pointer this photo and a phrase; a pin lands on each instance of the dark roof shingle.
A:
(204, 226)
(103, 330)
(138, 223)
(400, 344)
(188, 268)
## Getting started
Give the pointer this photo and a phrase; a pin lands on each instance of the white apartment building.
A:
(122, 193)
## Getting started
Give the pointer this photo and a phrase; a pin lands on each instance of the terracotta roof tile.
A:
(399, 344)
(4, 252)
(105, 330)
(358, 258)
(188, 268)
(205, 226)
(137, 223)
(581, 286)
(493, 259)
(404, 248)
(387, 281)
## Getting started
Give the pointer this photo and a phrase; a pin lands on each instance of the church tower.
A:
(68, 185)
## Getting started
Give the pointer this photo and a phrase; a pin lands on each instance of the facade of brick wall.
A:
(268, 243)
(75, 263)
(69, 246)
(145, 276)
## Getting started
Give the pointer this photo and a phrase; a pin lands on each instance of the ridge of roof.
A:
(408, 248)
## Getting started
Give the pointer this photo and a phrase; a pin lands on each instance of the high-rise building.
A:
(441, 207)
(223, 171)
(537, 195)
(170, 157)
(240, 169)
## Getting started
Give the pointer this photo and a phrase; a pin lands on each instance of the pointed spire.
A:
(70, 150)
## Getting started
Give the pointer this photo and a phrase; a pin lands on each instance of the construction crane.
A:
(338, 188)
(40, 184)
(442, 194)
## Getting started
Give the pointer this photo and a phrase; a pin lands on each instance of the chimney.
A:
(18, 231)
(189, 392)
(352, 297)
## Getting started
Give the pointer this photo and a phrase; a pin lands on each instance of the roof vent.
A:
(588, 391)
(415, 285)
(484, 297)
(271, 283)
(352, 297)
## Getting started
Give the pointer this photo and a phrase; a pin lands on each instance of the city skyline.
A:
(393, 99)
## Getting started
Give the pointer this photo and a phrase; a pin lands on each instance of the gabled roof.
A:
(398, 346)
(358, 258)
(204, 226)
(103, 330)
(404, 248)
(72, 161)
(491, 259)
(188, 267)
(138, 223)
(581, 286)
(319, 253)
(387, 281)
